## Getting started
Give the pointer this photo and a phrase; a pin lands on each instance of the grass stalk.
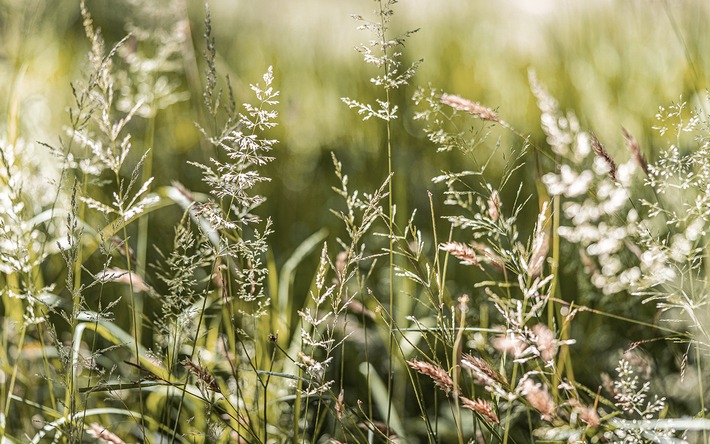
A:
(137, 323)
(390, 215)
(456, 363)
(15, 371)
(143, 222)
(701, 389)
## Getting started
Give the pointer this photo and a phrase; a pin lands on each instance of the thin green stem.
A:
(142, 240)
(137, 325)
(13, 378)
(510, 408)
(456, 358)
(554, 283)
(266, 392)
(701, 390)
(581, 308)
(390, 224)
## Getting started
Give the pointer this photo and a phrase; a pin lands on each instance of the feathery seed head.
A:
(488, 256)
(587, 414)
(482, 371)
(482, 407)
(635, 149)
(603, 154)
(539, 398)
(440, 377)
(510, 343)
(545, 342)
(540, 244)
(494, 205)
(462, 252)
(474, 108)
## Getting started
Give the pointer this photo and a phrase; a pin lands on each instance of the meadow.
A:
(354, 222)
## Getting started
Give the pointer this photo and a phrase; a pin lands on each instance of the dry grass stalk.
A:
(439, 375)
(601, 152)
(635, 149)
(462, 252)
(482, 407)
(473, 108)
(236, 438)
(101, 433)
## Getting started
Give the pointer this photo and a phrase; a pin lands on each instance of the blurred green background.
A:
(611, 62)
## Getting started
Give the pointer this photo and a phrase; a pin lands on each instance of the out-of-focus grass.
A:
(612, 62)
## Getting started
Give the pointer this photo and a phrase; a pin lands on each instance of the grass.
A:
(181, 262)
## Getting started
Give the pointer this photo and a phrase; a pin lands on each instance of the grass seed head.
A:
(474, 108)
(439, 375)
(488, 256)
(587, 414)
(482, 407)
(539, 398)
(203, 375)
(494, 206)
(339, 405)
(462, 252)
(602, 153)
(482, 371)
(635, 149)
(545, 342)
